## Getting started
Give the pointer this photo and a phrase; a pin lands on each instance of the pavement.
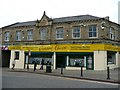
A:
(76, 74)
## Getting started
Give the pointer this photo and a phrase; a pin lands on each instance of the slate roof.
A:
(56, 20)
(75, 18)
(29, 23)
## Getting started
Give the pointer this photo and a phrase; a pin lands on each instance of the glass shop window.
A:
(17, 55)
(76, 62)
(111, 59)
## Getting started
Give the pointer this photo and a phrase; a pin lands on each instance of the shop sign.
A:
(4, 48)
(45, 48)
(66, 48)
(111, 48)
(61, 48)
(14, 48)
(80, 47)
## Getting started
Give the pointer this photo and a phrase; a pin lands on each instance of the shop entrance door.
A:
(89, 64)
(6, 58)
(60, 60)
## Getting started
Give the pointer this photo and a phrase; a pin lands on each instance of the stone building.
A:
(67, 41)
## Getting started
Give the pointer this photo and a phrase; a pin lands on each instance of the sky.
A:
(12, 11)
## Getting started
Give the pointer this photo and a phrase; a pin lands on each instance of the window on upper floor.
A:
(18, 35)
(43, 34)
(116, 35)
(92, 31)
(76, 32)
(30, 35)
(7, 36)
(111, 33)
(59, 33)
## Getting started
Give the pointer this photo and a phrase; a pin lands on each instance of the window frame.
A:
(111, 33)
(7, 36)
(74, 28)
(94, 25)
(30, 35)
(61, 34)
(18, 35)
(43, 33)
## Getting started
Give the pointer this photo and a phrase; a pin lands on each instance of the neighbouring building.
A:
(0, 36)
(0, 46)
(119, 12)
(86, 40)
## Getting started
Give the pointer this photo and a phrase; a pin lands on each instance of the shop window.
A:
(76, 62)
(111, 59)
(39, 60)
(17, 55)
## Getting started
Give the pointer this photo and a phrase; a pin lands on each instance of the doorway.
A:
(6, 58)
(90, 63)
(60, 61)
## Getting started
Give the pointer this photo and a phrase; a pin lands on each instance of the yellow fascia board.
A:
(66, 48)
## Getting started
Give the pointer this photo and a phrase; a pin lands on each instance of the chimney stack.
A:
(107, 17)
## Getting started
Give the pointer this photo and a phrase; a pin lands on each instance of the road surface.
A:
(32, 80)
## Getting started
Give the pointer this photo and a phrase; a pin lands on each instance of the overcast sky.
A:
(12, 11)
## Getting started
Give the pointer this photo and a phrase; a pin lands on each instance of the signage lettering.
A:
(60, 47)
(66, 48)
(80, 47)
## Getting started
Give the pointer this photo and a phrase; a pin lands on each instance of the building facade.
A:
(119, 14)
(0, 46)
(86, 40)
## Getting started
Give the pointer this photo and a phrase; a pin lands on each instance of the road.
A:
(29, 80)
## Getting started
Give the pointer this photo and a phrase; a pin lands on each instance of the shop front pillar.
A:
(11, 58)
(117, 59)
(54, 60)
(67, 60)
(100, 60)
(85, 58)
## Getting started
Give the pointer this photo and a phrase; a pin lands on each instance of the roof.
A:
(18, 24)
(29, 23)
(56, 20)
(75, 18)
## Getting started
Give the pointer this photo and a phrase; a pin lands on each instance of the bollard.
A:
(27, 67)
(81, 71)
(108, 73)
(61, 69)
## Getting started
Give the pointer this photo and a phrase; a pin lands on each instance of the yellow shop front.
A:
(70, 56)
